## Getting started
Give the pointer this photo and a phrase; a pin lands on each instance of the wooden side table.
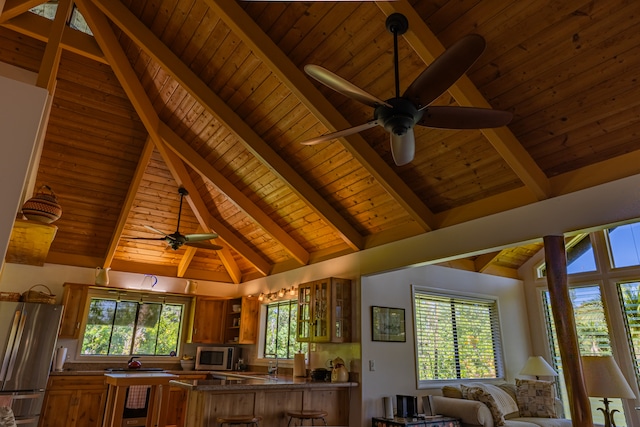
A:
(433, 421)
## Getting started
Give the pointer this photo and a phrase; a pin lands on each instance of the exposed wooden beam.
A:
(425, 43)
(170, 271)
(128, 79)
(483, 261)
(154, 47)
(51, 59)
(145, 156)
(186, 259)
(13, 8)
(260, 43)
(39, 28)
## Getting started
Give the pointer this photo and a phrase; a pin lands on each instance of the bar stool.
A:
(236, 420)
(309, 414)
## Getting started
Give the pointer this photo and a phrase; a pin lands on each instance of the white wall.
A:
(395, 370)
(22, 110)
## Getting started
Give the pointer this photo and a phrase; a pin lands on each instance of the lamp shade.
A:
(603, 378)
(538, 367)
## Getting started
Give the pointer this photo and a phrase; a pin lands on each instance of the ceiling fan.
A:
(176, 240)
(400, 114)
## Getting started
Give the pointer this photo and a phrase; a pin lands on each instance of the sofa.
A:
(528, 403)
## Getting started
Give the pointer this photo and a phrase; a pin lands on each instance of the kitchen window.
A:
(457, 337)
(281, 330)
(133, 324)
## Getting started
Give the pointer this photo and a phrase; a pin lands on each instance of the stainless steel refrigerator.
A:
(28, 333)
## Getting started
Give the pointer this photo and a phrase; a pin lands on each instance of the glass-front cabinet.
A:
(324, 311)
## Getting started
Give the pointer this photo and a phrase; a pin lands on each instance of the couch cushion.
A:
(541, 422)
(536, 398)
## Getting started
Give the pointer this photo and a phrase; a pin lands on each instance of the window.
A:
(624, 242)
(126, 325)
(456, 337)
(593, 336)
(76, 21)
(280, 330)
(629, 294)
(580, 256)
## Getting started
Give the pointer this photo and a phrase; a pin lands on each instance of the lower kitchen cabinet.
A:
(74, 401)
(177, 413)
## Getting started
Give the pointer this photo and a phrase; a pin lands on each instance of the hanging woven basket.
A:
(43, 207)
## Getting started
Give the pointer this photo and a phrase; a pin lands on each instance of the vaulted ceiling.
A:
(211, 95)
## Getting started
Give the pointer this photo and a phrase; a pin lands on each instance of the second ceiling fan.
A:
(176, 239)
(398, 115)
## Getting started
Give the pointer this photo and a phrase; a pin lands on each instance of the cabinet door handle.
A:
(78, 325)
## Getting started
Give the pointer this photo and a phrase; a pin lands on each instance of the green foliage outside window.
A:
(124, 328)
(281, 330)
(456, 338)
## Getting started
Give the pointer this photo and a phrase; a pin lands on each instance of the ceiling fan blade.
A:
(340, 133)
(200, 237)
(446, 117)
(445, 70)
(203, 245)
(145, 238)
(403, 147)
(155, 230)
(342, 86)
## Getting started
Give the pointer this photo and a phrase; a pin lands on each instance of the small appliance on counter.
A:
(217, 358)
(321, 374)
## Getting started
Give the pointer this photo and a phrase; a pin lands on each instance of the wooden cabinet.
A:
(177, 412)
(324, 311)
(74, 300)
(241, 320)
(208, 320)
(74, 401)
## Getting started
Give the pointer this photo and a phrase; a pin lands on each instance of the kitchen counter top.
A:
(249, 382)
(103, 371)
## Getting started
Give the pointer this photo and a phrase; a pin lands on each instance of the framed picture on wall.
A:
(387, 324)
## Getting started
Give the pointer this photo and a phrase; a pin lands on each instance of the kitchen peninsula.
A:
(266, 396)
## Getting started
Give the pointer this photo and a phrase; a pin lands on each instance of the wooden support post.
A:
(562, 309)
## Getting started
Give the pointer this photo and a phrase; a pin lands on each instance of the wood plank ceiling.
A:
(210, 95)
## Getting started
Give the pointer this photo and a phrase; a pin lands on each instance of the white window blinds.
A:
(457, 337)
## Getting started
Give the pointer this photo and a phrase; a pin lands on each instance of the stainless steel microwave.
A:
(216, 358)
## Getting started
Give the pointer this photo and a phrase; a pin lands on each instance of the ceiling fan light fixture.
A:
(403, 147)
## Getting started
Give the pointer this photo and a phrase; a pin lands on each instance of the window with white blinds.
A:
(456, 337)
(629, 294)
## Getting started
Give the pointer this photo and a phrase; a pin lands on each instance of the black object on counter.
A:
(321, 374)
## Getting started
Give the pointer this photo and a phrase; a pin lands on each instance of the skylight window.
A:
(76, 21)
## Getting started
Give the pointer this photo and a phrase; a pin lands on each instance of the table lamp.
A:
(538, 367)
(603, 378)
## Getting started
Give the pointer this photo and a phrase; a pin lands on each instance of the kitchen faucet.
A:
(273, 368)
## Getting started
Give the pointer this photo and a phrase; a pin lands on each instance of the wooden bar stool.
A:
(236, 420)
(307, 415)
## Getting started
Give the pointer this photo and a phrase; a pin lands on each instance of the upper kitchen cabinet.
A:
(241, 320)
(74, 299)
(208, 320)
(324, 311)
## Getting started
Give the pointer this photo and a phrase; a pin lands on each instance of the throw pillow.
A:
(481, 395)
(499, 402)
(452, 391)
(536, 398)
(511, 390)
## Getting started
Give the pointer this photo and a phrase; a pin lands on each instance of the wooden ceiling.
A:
(211, 95)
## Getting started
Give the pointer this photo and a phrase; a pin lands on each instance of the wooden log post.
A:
(562, 309)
